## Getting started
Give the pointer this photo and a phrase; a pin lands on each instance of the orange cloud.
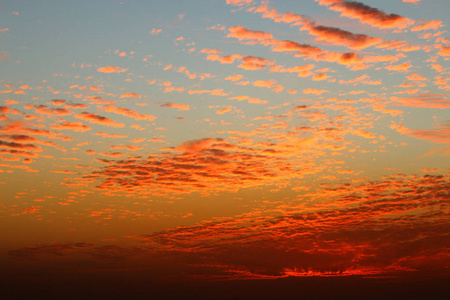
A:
(130, 95)
(128, 113)
(320, 76)
(433, 24)
(234, 77)
(249, 99)
(424, 101)
(228, 59)
(239, 2)
(444, 51)
(178, 106)
(341, 37)
(367, 14)
(211, 51)
(215, 92)
(241, 33)
(97, 119)
(110, 69)
(155, 31)
(370, 229)
(45, 110)
(416, 77)
(224, 110)
(254, 63)
(399, 68)
(4, 109)
(314, 91)
(302, 71)
(60, 102)
(74, 126)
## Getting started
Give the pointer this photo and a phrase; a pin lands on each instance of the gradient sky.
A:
(223, 142)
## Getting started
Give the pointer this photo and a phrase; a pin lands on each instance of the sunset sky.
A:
(213, 149)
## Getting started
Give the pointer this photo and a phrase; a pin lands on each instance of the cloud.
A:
(367, 14)
(302, 71)
(433, 24)
(314, 91)
(224, 110)
(341, 37)
(74, 126)
(440, 134)
(178, 106)
(4, 55)
(240, 2)
(111, 69)
(204, 166)
(60, 102)
(234, 77)
(4, 109)
(241, 33)
(424, 101)
(155, 31)
(97, 119)
(254, 63)
(58, 249)
(211, 51)
(45, 110)
(399, 68)
(130, 95)
(128, 113)
(215, 92)
(228, 59)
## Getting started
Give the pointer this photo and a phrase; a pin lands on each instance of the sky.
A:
(224, 149)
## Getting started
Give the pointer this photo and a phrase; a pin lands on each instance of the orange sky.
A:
(224, 149)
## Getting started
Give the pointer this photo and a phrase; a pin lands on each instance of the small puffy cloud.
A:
(399, 68)
(178, 106)
(110, 69)
(239, 2)
(433, 24)
(130, 95)
(97, 119)
(253, 36)
(224, 110)
(314, 91)
(234, 77)
(155, 31)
